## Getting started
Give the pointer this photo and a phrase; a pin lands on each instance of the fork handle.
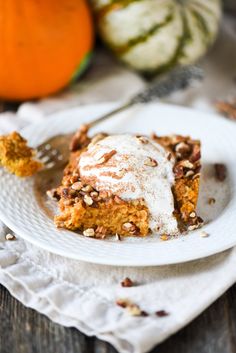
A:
(110, 114)
(179, 78)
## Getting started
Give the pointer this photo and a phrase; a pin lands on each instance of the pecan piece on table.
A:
(127, 282)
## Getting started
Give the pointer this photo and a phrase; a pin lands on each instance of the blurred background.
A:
(58, 54)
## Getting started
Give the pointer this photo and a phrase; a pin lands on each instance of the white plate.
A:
(25, 211)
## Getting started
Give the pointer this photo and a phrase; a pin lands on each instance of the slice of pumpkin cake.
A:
(130, 185)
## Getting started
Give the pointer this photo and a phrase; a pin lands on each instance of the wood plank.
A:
(8, 106)
(103, 347)
(231, 316)
(23, 330)
(209, 333)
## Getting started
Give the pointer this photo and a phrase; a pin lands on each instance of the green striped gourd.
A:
(152, 35)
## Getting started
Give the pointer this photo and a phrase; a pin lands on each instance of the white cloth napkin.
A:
(83, 295)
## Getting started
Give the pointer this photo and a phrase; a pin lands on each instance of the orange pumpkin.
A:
(42, 44)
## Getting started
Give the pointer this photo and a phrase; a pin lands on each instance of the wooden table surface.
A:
(23, 330)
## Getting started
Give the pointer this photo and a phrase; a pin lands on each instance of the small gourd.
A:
(152, 35)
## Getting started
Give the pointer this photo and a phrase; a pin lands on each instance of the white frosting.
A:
(127, 175)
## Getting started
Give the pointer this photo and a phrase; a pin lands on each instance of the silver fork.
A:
(54, 152)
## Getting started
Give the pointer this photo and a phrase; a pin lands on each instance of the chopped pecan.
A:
(123, 302)
(197, 175)
(10, 237)
(101, 232)
(200, 220)
(180, 166)
(193, 227)
(144, 313)
(118, 200)
(89, 232)
(132, 308)
(195, 223)
(220, 171)
(104, 194)
(66, 192)
(53, 194)
(183, 149)
(94, 195)
(118, 237)
(178, 171)
(150, 162)
(204, 234)
(189, 173)
(74, 178)
(161, 313)
(106, 157)
(67, 182)
(80, 138)
(196, 154)
(127, 282)
(88, 200)
(175, 139)
(87, 188)
(227, 108)
(186, 164)
(211, 201)
(77, 186)
(142, 139)
(129, 227)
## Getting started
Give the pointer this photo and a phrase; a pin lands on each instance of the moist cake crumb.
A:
(17, 157)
